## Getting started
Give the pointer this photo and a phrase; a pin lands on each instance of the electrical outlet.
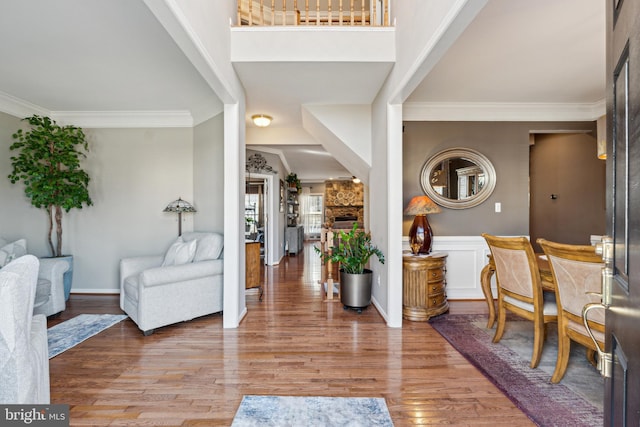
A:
(378, 280)
(498, 207)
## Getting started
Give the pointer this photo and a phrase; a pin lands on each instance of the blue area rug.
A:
(282, 411)
(72, 332)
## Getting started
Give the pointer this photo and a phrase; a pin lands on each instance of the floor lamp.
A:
(179, 206)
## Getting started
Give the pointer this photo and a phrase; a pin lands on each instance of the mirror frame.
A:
(467, 154)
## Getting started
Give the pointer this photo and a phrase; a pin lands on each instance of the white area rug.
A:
(72, 332)
(294, 411)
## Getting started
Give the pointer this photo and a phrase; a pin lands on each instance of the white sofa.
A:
(24, 355)
(49, 299)
(184, 283)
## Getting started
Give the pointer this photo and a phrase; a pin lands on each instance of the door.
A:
(622, 388)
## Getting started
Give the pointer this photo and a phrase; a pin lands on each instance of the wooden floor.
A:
(292, 343)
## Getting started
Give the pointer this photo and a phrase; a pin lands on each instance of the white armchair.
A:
(183, 284)
(24, 358)
(49, 298)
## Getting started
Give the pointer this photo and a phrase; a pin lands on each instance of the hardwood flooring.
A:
(292, 343)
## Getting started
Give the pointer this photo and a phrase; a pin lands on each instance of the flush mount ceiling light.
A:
(261, 120)
(355, 180)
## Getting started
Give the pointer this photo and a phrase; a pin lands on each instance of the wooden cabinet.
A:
(423, 283)
(252, 266)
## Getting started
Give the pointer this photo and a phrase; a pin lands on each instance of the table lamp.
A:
(420, 233)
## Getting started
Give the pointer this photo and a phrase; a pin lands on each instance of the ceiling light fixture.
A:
(355, 180)
(261, 120)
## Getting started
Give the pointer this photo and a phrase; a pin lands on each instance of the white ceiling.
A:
(114, 56)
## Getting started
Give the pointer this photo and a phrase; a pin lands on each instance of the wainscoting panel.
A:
(467, 256)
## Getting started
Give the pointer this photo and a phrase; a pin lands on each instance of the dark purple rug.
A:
(529, 389)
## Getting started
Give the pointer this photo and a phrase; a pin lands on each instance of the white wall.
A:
(208, 178)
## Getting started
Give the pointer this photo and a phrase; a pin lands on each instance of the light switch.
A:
(498, 207)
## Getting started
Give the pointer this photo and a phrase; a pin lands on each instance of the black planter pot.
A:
(355, 289)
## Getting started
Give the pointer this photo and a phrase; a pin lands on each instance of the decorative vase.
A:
(355, 289)
(420, 235)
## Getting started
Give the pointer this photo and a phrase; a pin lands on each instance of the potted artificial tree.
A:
(48, 162)
(353, 252)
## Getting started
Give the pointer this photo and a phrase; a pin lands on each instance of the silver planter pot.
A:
(355, 289)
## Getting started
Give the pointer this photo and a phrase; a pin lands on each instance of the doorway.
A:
(260, 207)
(566, 189)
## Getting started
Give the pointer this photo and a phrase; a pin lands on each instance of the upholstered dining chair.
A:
(577, 273)
(520, 289)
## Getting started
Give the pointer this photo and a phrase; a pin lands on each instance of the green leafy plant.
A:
(353, 251)
(48, 163)
(292, 178)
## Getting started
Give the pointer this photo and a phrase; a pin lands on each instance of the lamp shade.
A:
(421, 205)
(420, 233)
(179, 206)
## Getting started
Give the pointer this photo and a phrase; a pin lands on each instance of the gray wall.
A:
(506, 144)
(134, 174)
(208, 168)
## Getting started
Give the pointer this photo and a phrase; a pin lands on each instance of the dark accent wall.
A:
(506, 145)
(567, 189)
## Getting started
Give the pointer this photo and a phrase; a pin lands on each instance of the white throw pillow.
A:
(12, 251)
(180, 252)
(209, 247)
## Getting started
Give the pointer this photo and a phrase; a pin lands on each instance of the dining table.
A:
(546, 279)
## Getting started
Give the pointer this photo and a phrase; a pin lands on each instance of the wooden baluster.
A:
(374, 20)
(317, 12)
(306, 11)
(340, 13)
(362, 14)
(329, 13)
(239, 13)
(296, 21)
(273, 12)
(386, 13)
(352, 12)
(284, 12)
(250, 13)
(261, 12)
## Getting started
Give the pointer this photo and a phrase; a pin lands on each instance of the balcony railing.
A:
(313, 12)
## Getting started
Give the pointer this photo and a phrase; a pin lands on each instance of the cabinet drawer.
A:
(435, 274)
(435, 288)
(436, 300)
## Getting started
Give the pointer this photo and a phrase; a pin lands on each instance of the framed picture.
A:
(281, 196)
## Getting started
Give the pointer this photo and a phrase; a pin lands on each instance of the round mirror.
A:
(458, 178)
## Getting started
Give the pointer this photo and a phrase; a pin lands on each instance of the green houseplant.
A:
(352, 254)
(48, 162)
(293, 181)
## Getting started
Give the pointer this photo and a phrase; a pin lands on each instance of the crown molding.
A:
(502, 111)
(17, 107)
(125, 119)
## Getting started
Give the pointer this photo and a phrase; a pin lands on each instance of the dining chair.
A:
(520, 288)
(577, 273)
